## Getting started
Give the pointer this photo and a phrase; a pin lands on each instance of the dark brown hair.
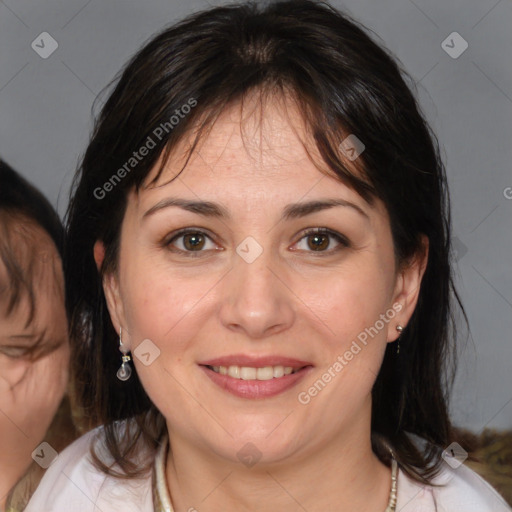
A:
(23, 211)
(343, 83)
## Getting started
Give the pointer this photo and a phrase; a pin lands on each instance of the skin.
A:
(291, 301)
(31, 390)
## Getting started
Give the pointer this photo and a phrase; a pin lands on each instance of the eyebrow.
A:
(290, 211)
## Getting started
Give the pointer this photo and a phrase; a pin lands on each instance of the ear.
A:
(111, 289)
(407, 287)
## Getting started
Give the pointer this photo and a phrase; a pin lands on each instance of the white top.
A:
(72, 483)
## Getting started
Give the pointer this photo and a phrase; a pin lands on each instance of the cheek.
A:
(32, 391)
(164, 306)
(13, 371)
(62, 366)
(350, 301)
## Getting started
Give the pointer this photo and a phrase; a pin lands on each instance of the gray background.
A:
(45, 120)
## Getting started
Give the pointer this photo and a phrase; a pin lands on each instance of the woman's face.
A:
(249, 285)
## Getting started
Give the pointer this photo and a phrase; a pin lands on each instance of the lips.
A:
(249, 377)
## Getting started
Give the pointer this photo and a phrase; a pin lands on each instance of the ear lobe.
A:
(99, 254)
(408, 286)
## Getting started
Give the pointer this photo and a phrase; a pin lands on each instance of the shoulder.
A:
(458, 489)
(72, 482)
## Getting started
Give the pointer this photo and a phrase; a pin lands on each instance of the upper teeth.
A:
(249, 373)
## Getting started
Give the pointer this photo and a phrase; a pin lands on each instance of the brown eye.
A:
(322, 240)
(318, 242)
(193, 241)
(14, 352)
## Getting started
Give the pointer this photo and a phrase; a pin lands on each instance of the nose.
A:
(258, 303)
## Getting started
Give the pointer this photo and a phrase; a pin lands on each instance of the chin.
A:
(251, 447)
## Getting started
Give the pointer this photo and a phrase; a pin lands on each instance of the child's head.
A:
(34, 345)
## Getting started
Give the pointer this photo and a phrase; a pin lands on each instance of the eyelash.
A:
(15, 352)
(312, 231)
(343, 241)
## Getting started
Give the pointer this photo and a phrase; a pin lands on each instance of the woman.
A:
(260, 286)
(34, 344)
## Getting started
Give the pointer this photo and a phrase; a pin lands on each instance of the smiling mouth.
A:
(252, 373)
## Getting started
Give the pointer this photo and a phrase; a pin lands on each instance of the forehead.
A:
(29, 264)
(30, 247)
(263, 137)
(257, 148)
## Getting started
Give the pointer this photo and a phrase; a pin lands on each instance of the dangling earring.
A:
(399, 328)
(125, 371)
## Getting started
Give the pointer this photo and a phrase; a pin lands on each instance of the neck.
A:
(340, 473)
